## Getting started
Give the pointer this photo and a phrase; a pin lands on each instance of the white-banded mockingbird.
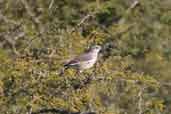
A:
(84, 61)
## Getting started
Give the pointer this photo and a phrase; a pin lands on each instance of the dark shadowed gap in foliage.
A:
(59, 111)
(83, 83)
(108, 17)
(109, 48)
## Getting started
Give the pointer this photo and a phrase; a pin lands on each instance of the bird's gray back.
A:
(82, 58)
(85, 57)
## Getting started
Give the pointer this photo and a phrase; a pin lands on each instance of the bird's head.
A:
(96, 48)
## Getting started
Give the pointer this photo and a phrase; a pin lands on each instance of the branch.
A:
(134, 4)
(54, 110)
(30, 12)
(140, 101)
(35, 19)
(11, 37)
(82, 21)
(11, 42)
(51, 4)
(98, 4)
(4, 18)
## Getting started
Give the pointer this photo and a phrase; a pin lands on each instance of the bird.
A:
(83, 61)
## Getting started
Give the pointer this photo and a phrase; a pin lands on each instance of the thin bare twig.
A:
(98, 4)
(134, 4)
(140, 101)
(12, 41)
(7, 20)
(51, 4)
(84, 19)
(36, 21)
(30, 12)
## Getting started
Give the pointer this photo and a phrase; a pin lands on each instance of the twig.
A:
(11, 42)
(36, 21)
(19, 35)
(51, 4)
(29, 11)
(84, 19)
(140, 101)
(134, 4)
(164, 83)
(4, 18)
(98, 4)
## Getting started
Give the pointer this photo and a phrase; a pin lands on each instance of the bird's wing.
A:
(79, 59)
(72, 62)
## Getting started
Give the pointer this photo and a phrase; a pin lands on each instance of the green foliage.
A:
(131, 76)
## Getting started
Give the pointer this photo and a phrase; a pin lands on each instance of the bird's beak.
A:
(102, 50)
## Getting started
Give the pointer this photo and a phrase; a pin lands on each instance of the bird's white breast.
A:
(88, 64)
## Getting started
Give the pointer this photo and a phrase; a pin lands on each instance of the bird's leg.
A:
(79, 72)
(79, 75)
(62, 71)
